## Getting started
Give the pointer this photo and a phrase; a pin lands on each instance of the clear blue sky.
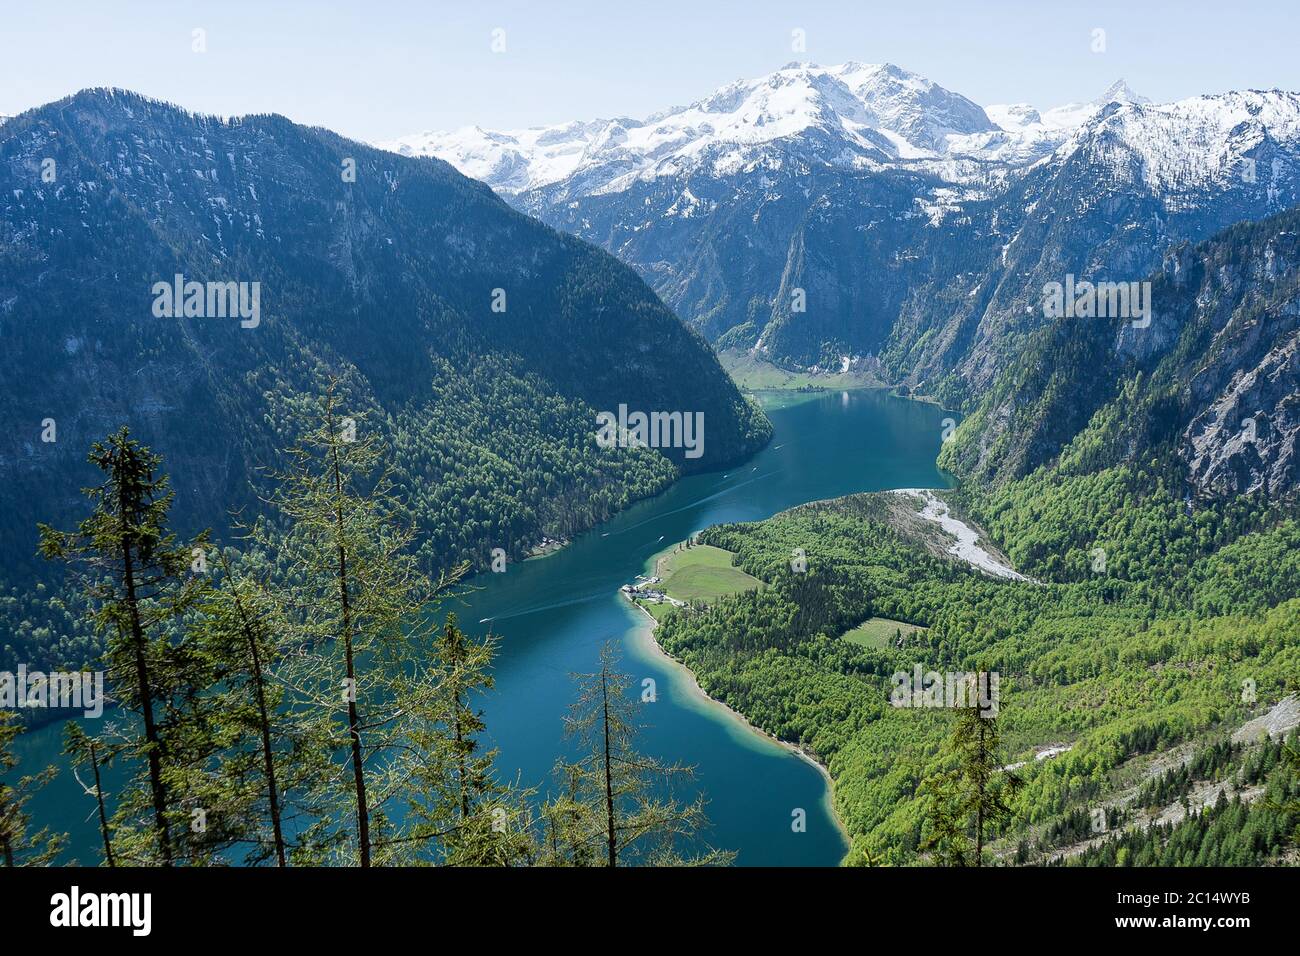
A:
(383, 68)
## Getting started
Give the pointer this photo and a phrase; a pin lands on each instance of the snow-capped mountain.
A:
(1192, 143)
(1130, 183)
(854, 116)
(1025, 134)
(919, 227)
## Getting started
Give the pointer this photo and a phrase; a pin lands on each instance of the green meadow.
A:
(702, 573)
(879, 632)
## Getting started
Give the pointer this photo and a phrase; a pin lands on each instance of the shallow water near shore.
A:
(553, 614)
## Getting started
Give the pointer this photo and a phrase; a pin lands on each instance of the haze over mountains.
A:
(864, 217)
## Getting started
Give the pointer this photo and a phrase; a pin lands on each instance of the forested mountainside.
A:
(1113, 683)
(1210, 387)
(481, 343)
(1141, 478)
(1141, 475)
(817, 214)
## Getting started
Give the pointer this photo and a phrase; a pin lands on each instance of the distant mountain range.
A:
(821, 217)
(851, 116)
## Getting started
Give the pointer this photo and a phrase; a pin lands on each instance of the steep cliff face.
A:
(824, 213)
(1225, 448)
(1132, 183)
(1211, 382)
(1244, 397)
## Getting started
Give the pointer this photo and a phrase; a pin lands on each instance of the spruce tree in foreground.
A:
(946, 820)
(140, 583)
(83, 749)
(616, 806)
(18, 847)
(465, 815)
(359, 607)
(236, 630)
(970, 800)
(269, 756)
(464, 672)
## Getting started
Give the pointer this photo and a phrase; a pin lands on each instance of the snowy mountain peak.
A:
(1027, 135)
(864, 117)
(920, 110)
(854, 114)
(1013, 116)
(1120, 92)
(1194, 143)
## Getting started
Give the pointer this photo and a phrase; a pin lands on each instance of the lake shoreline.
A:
(549, 612)
(694, 688)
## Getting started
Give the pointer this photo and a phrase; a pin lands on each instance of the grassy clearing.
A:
(879, 632)
(702, 573)
(753, 373)
(656, 611)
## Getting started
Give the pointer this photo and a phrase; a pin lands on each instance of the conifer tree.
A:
(465, 671)
(18, 847)
(83, 749)
(269, 756)
(970, 799)
(236, 630)
(140, 583)
(463, 811)
(359, 608)
(566, 839)
(946, 820)
(616, 806)
(1289, 765)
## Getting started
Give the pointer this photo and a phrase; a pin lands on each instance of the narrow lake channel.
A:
(552, 615)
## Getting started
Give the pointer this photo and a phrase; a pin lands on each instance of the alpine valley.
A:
(862, 218)
(386, 279)
(1115, 531)
(857, 223)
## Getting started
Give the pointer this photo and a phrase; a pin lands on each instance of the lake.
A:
(553, 614)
